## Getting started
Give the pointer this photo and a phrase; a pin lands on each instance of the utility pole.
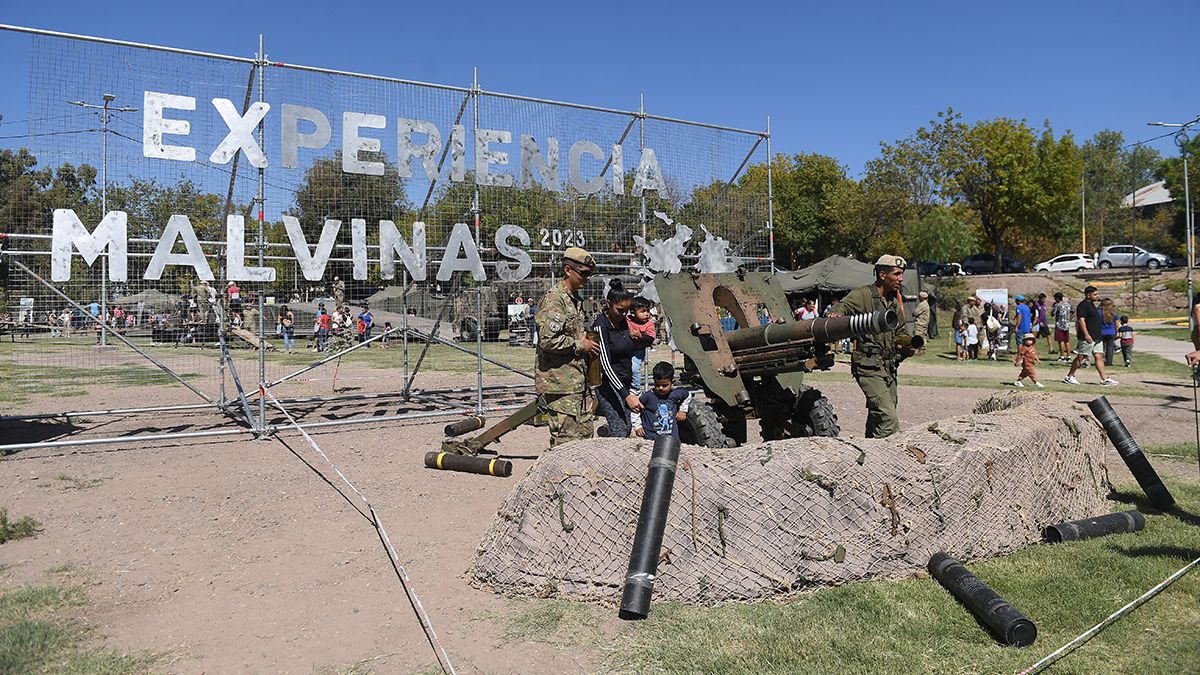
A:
(1181, 139)
(104, 110)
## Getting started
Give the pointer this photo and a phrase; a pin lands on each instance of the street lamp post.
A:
(104, 110)
(1181, 139)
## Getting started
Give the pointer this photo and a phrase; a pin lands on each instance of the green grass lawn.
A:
(20, 382)
(1181, 450)
(36, 636)
(914, 625)
(1180, 333)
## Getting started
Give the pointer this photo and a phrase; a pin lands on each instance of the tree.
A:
(1110, 172)
(804, 186)
(29, 195)
(941, 235)
(1171, 171)
(1017, 182)
(330, 193)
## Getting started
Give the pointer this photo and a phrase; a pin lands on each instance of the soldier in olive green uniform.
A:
(921, 315)
(561, 379)
(877, 357)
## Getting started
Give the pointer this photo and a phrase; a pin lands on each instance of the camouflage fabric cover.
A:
(767, 521)
(560, 324)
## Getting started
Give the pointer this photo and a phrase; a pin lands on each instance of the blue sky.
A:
(836, 78)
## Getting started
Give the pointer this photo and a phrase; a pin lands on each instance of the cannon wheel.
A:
(704, 427)
(815, 412)
(812, 415)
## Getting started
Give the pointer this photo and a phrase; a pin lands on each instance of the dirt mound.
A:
(770, 520)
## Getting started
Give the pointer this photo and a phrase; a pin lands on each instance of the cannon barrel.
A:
(824, 330)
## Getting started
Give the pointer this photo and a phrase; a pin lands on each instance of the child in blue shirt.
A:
(664, 406)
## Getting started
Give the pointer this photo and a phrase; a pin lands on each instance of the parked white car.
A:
(1068, 262)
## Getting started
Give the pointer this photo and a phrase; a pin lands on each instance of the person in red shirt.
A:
(324, 323)
(234, 295)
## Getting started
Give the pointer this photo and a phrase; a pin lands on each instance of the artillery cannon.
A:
(748, 368)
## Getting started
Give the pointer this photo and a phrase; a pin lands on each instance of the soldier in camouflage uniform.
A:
(561, 379)
(876, 358)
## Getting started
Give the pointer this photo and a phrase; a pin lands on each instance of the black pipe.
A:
(652, 520)
(465, 425)
(989, 608)
(1113, 523)
(1134, 458)
(449, 461)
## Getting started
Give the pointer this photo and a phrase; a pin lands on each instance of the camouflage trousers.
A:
(880, 390)
(570, 417)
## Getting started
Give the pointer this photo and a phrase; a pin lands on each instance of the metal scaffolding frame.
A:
(248, 408)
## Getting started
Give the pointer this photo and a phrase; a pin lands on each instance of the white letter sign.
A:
(154, 126)
(111, 233)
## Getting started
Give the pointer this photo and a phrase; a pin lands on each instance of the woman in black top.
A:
(614, 399)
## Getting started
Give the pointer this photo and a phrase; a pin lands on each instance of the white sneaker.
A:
(1039, 385)
(1070, 379)
(1108, 382)
(1018, 383)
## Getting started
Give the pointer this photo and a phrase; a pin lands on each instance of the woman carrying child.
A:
(615, 399)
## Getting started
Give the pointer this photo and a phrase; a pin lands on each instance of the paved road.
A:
(1164, 347)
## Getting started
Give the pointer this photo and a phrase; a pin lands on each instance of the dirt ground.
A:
(234, 554)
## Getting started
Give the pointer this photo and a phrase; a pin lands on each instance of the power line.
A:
(222, 169)
(1148, 140)
(35, 119)
(51, 133)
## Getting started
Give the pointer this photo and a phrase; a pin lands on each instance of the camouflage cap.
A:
(579, 256)
(890, 261)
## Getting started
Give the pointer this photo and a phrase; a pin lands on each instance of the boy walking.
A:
(1125, 333)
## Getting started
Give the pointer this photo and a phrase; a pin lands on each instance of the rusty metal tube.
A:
(448, 461)
(465, 425)
(829, 329)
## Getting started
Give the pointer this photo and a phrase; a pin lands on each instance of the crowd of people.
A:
(989, 329)
(342, 323)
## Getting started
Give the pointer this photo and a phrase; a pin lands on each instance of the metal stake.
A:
(262, 347)
(770, 202)
(478, 245)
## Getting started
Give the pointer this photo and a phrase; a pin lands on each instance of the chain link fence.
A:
(351, 161)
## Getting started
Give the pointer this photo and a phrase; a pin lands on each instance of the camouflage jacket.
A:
(560, 326)
(874, 354)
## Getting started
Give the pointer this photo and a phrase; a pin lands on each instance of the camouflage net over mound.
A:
(769, 520)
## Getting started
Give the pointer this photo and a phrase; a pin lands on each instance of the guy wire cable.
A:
(1091, 632)
(422, 617)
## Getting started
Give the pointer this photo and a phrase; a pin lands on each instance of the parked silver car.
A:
(1124, 255)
